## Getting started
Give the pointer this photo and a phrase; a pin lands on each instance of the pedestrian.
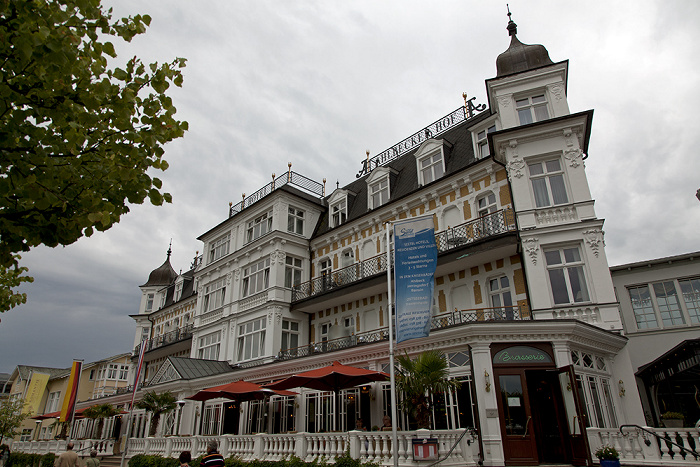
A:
(213, 458)
(185, 458)
(4, 454)
(92, 461)
(68, 458)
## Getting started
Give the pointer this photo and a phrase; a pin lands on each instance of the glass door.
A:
(519, 443)
(575, 417)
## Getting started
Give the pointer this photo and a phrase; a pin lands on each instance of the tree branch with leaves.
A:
(78, 139)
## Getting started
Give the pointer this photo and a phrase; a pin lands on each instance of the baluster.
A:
(363, 446)
(665, 455)
(402, 450)
(686, 444)
(385, 447)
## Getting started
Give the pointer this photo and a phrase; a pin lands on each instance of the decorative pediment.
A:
(166, 373)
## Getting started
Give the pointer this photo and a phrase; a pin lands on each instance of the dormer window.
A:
(339, 212)
(379, 192)
(532, 109)
(482, 142)
(430, 160)
(178, 291)
(431, 167)
(259, 227)
(149, 302)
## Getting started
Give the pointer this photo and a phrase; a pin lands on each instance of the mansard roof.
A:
(459, 154)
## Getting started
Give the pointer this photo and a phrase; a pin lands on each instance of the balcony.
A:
(178, 335)
(441, 321)
(470, 232)
(290, 178)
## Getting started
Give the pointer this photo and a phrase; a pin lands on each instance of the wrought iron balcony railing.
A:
(289, 178)
(179, 334)
(476, 229)
(444, 320)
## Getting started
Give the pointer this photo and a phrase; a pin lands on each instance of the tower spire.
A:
(512, 27)
(170, 248)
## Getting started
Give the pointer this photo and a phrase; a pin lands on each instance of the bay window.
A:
(259, 227)
(251, 339)
(256, 277)
(214, 294)
(566, 275)
(547, 179)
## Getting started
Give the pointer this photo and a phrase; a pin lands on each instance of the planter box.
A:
(672, 423)
(609, 463)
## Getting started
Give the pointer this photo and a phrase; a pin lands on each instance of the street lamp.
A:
(180, 404)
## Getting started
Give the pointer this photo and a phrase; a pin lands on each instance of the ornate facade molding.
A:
(574, 156)
(531, 247)
(505, 100)
(594, 238)
(556, 90)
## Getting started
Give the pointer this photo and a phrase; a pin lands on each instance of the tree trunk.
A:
(154, 424)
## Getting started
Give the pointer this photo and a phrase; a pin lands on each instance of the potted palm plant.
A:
(672, 419)
(608, 456)
(417, 378)
(156, 404)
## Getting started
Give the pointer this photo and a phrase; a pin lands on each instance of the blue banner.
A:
(415, 255)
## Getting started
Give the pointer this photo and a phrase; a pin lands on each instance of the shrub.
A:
(607, 452)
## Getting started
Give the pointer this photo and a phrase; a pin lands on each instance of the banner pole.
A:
(394, 417)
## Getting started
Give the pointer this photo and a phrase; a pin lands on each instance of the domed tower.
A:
(152, 294)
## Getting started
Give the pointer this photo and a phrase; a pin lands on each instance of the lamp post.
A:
(180, 403)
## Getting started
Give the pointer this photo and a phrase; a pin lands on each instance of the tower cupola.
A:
(520, 57)
(163, 275)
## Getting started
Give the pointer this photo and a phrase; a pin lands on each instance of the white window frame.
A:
(251, 339)
(258, 227)
(501, 294)
(112, 370)
(482, 142)
(434, 169)
(295, 220)
(290, 335)
(123, 372)
(532, 108)
(214, 295)
(52, 403)
(688, 304)
(256, 277)
(149, 301)
(219, 247)
(596, 389)
(379, 192)
(551, 176)
(208, 346)
(486, 204)
(339, 212)
(178, 291)
(293, 271)
(567, 265)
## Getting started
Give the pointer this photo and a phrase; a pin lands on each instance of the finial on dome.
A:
(512, 27)
(170, 248)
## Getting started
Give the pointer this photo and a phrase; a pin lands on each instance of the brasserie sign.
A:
(436, 128)
(521, 354)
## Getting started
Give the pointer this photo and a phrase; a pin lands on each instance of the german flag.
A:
(71, 391)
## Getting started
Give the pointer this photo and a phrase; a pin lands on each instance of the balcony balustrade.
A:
(179, 334)
(472, 231)
(441, 321)
(289, 178)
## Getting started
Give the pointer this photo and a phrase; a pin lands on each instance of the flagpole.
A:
(77, 388)
(394, 417)
(142, 352)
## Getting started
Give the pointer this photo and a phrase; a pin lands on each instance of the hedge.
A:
(344, 460)
(21, 459)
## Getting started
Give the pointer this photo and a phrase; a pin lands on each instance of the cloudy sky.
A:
(317, 83)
